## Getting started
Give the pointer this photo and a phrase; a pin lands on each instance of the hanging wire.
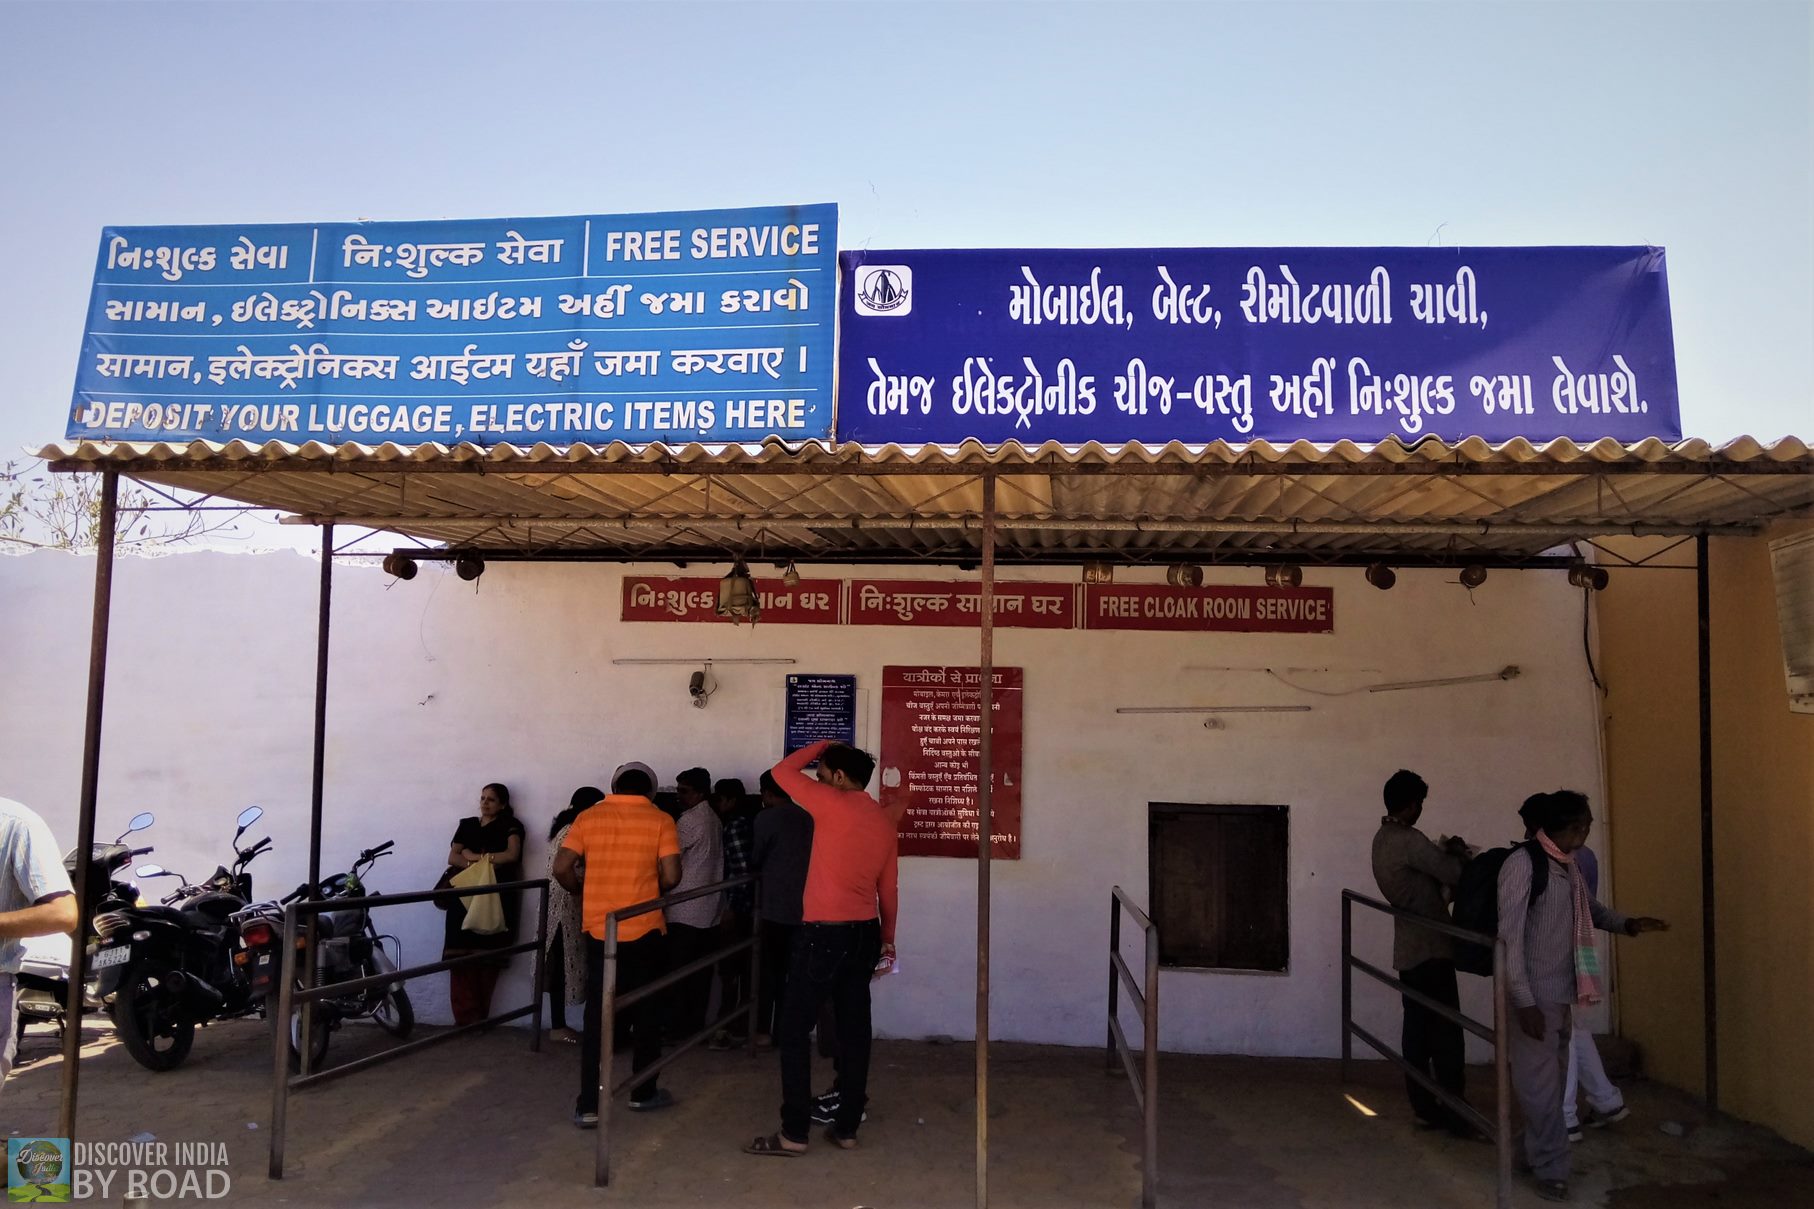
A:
(1586, 646)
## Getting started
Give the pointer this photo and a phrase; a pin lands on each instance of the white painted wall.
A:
(439, 686)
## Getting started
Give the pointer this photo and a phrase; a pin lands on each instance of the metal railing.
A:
(1145, 998)
(1500, 1128)
(288, 995)
(612, 1003)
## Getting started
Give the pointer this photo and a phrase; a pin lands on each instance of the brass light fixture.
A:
(469, 566)
(1472, 576)
(1184, 575)
(1284, 575)
(1381, 576)
(400, 565)
(737, 598)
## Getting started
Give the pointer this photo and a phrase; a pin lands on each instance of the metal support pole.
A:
(1502, 1079)
(985, 828)
(280, 1042)
(607, 1036)
(1347, 988)
(1109, 1054)
(755, 991)
(1709, 967)
(317, 775)
(541, 973)
(1149, 1098)
(321, 707)
(91, 780)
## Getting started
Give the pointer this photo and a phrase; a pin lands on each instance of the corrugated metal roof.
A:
(1056, 503)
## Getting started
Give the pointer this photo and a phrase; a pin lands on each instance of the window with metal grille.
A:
(1217, 885)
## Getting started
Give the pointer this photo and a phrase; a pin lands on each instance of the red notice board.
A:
(931, 733)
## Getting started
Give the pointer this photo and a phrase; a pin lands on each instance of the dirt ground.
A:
(483, 1121)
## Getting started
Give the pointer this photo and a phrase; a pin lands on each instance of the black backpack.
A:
(1477, 902)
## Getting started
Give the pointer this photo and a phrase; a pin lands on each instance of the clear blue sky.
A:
(1217, 124)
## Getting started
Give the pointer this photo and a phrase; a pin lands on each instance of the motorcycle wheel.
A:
(149, 1022)
(394, 1013)
(322, 1025)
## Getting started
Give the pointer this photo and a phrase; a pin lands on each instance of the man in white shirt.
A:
(36, 899)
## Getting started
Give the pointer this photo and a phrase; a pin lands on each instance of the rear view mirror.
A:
(150, 871)
(140, 821)
(250, 815)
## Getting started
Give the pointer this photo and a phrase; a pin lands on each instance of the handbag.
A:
(446, 902)
(484, 912)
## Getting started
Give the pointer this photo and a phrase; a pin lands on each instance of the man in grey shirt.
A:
(1550, 970)
(693, 925)
(1413, 874)
(36, 899)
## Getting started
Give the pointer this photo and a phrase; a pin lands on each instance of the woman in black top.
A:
(493, 832)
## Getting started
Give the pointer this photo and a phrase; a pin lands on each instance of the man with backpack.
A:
(1413, 874)
(1546, 919)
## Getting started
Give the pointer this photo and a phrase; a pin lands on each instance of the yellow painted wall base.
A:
(1763, 807)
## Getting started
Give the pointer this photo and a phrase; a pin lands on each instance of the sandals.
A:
(771, 1147)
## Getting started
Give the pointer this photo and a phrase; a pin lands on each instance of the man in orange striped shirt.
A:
(631, 854)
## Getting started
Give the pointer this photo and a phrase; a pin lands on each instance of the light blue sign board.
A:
(820, 707)
(707, 325)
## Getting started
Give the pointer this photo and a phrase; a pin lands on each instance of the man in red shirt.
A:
(847, 928)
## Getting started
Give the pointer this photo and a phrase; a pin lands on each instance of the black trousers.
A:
(734, 972)
(777, 944)
(639, 962)
(828, 962)
(1434, 1045)
(688, 998)
(554, 975)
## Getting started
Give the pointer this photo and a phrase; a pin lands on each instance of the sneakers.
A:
(1601, 1121)
(585, 1120)
(662, 1098)
(825, 1109)
(1575, 1134)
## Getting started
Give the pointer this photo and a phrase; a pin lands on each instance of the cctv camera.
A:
(696, 685)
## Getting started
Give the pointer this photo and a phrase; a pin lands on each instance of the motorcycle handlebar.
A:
(145, 851)
(372, 854)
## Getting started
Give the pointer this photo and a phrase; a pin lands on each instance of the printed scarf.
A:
(1587, 957)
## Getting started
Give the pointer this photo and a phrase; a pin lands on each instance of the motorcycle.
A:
(347, 947)
(163, 968)
(43, 982)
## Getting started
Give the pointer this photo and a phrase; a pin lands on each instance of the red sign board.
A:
(919, 602)
(694, 598)
(931, 732)
(1221, 607)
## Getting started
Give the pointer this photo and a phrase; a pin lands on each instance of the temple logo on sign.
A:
(884, 289)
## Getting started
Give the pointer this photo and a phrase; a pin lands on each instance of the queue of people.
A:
(826, 905)
(1539, 896)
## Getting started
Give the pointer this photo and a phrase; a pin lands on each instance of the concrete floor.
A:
(482, 1121)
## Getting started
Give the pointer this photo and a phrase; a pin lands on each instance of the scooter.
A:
(44, 975)
(164, 968)
(347, 947)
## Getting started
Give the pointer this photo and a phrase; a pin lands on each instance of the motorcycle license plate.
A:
(118, 955)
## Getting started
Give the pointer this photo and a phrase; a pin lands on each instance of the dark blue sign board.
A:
(1282, 344)
(820, 707)
(711, 325)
